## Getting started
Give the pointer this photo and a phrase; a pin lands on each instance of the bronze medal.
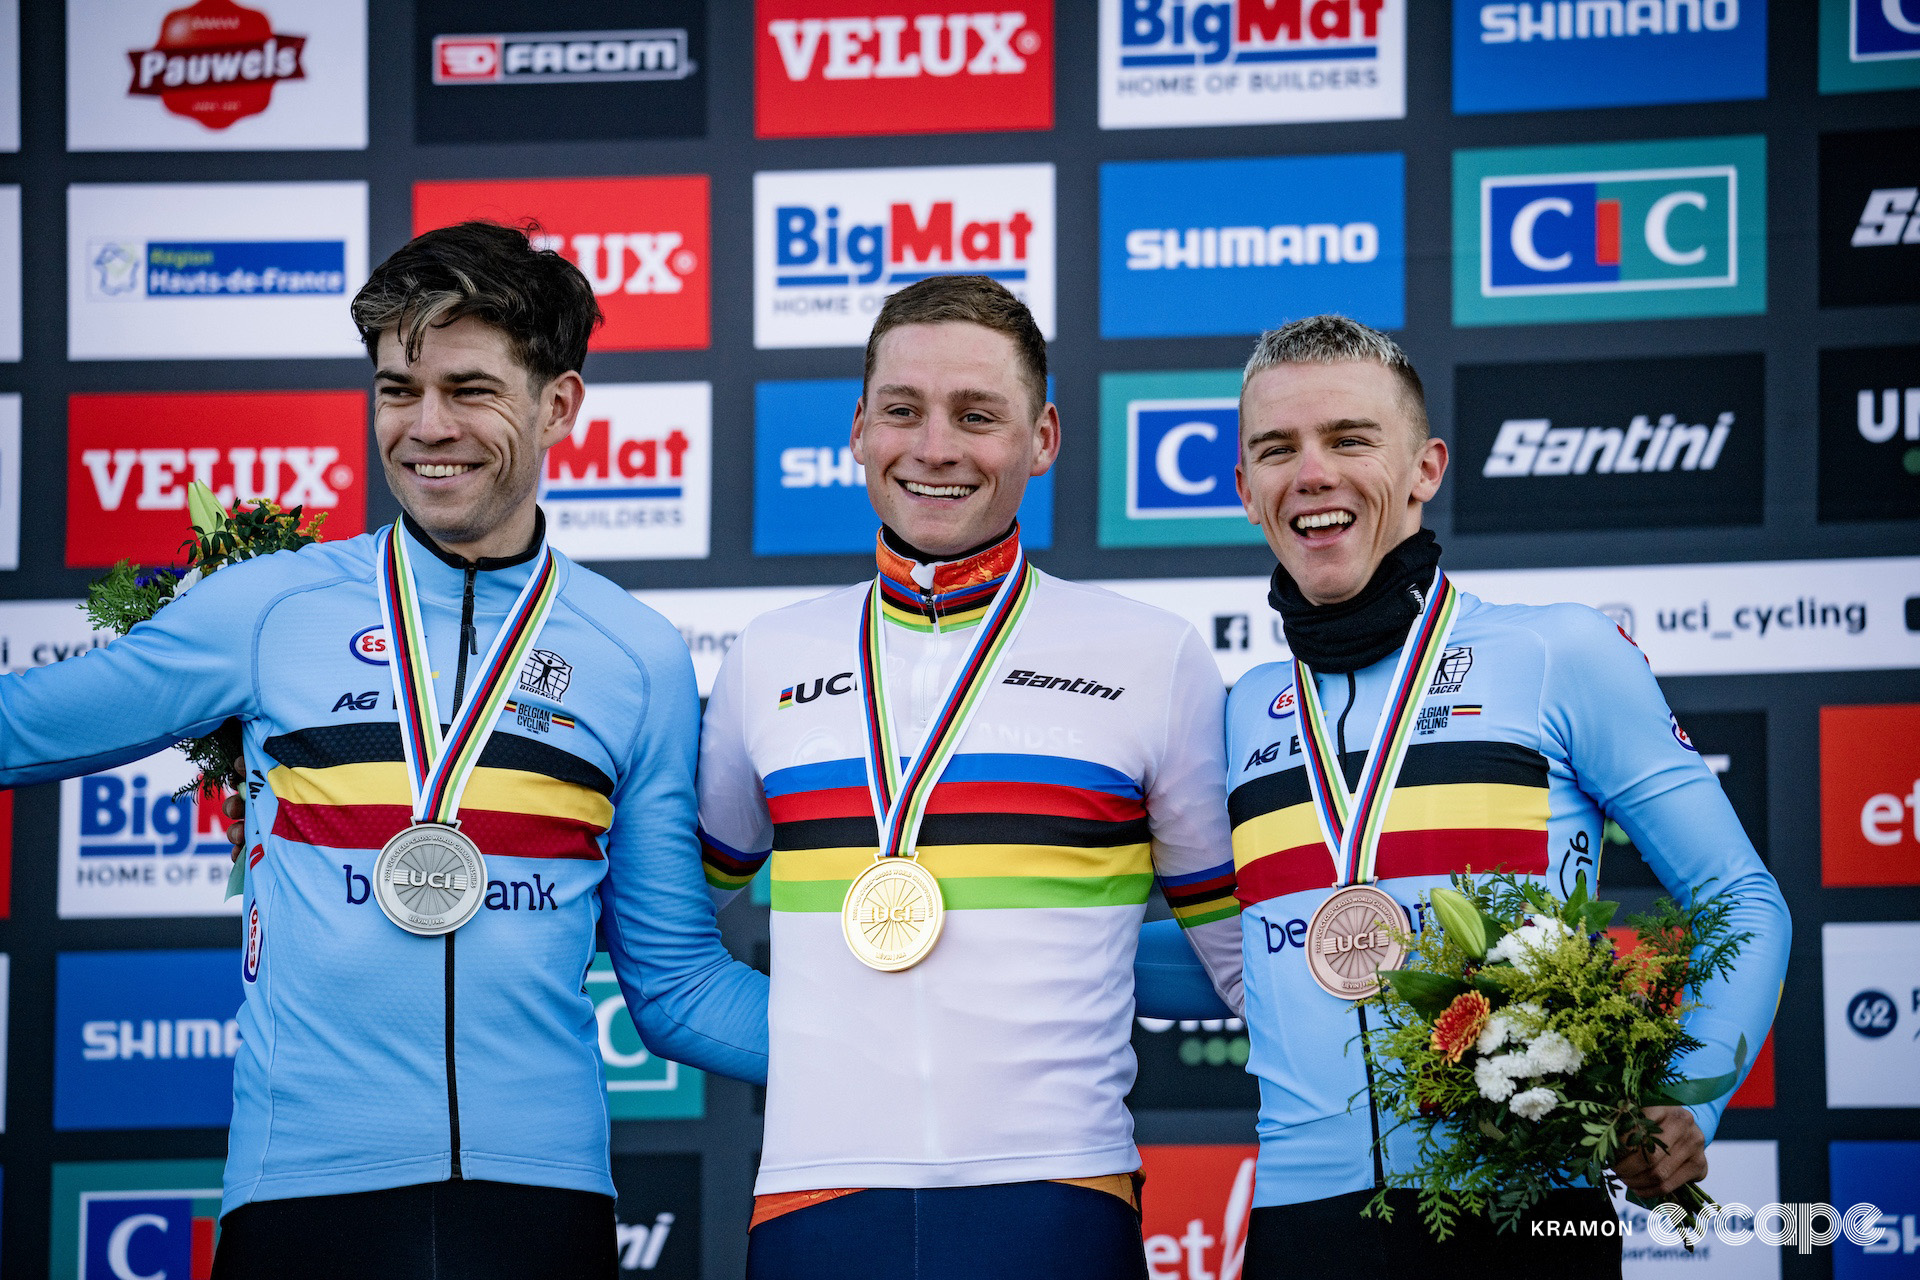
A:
(1351, 939)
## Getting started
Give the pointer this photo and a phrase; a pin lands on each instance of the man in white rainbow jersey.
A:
(967, 775)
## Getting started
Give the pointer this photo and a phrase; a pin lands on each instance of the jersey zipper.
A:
(469, 643)
(933, 607)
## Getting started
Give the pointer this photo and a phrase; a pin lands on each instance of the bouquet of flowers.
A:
(1523, 1046)
(130, 594)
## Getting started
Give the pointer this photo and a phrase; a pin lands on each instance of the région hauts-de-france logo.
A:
(216, 62)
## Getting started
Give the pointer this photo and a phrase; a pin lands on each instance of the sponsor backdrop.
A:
(1658, 262)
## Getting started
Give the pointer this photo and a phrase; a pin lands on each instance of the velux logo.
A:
(291, 476)
(634, 262)
(888, 48)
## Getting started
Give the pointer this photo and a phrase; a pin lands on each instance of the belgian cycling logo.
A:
(801, 692)
(545, 674)
(1452, 671)
(216, 63)
(1873, 1014)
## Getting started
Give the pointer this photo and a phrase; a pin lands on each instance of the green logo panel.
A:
(640, 1086)
(1168, 442)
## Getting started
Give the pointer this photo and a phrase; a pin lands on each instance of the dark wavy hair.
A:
(974, 300)
(538, 299)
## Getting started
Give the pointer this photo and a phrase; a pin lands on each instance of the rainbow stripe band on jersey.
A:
(1351, 824)
(438, 769)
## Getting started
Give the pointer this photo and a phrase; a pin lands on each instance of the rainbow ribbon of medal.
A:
(438, 769)
(1352, 823)
(900, 800)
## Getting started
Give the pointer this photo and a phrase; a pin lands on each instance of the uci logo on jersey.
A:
(1613, 231)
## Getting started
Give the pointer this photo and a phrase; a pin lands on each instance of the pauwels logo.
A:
(1177, 62)
(131, 457)
(562, 57)
(1610, 231)
(1870, 434)
(831, 245)
(641, 243)
(831, 67)
(632, 482)
(1870, 218)
(216, 62)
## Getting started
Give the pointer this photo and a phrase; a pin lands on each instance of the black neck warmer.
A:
(1356, 633)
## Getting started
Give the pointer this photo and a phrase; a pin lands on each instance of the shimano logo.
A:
(166, 1038)
(562, 57)
(1599, 19)
(1889, 218)
(1535, 447)
(825, 467)
(881, 48)
(1076, 684)
(1152, 249)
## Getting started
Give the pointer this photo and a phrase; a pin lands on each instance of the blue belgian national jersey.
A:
(1538, 726)
(372, 1057)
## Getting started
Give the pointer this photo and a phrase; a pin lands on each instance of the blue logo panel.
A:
(1887, 1176)
(810, 496)
(1612, 231)
(1548, 56)
(1193, 247)
(145, 1039)
(1869, 44)
(1168, 445)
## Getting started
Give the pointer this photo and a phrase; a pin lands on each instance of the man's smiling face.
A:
(462, 433)
(1333, 470)
(949, 434)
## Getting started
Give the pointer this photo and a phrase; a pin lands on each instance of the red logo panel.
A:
(130, 458)
(826, 68)
(642, 243)
(1196, 1206)
(1870, 795)
(216, 62)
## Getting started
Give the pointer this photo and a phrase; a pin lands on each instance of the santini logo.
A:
(1151, 249)
(1535, 447)
(1886, 218)
(878, 48)
(562, 57)
(1594, 19)
(1077, 684)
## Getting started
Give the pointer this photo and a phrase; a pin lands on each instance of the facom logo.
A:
(641, 243)
(1535, 447)
(1550, 244)
(632, 481)
(298, 449)
(562, 57)
(1237, 246)
(830, 246)
(827, 67)
(1176, 62)
(124, 268)
(216, 62)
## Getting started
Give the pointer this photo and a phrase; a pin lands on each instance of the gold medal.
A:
(892, 914)
(1351, 939)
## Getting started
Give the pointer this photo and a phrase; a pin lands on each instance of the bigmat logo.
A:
(1176, 62)
(1539, 56)
(657, 1208)
(1871, 979)
(135, 1220)
(1611, 231)
(1870, 434)
(1607, 444)
(641, 242)
(145, 1039)
(1870, 218)
(131, 457)
(9, 273)
(1869, 44)
(836, 67)
(215, 270)
(1197, 1224)
(632, 481)
(130, 847)
(640, 1086)
(156, 75)
(1168, 444)
(525, 71)
(829, 246)
(810, 496)
(1870, 795)
(1191, 247)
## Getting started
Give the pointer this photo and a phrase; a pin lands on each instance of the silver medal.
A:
(430, 879)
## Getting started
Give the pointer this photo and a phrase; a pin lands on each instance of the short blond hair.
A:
(1335, 339)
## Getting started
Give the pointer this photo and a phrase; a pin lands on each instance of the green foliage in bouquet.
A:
(129, 595)
(1522, 1046)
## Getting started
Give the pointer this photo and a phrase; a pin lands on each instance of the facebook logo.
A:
(1183, 454)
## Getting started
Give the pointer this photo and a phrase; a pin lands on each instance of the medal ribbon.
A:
(438, 769)
(900, 794)
(1351, 824)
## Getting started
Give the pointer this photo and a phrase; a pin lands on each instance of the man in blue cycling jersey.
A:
(418, 1092)
(1536, 726)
